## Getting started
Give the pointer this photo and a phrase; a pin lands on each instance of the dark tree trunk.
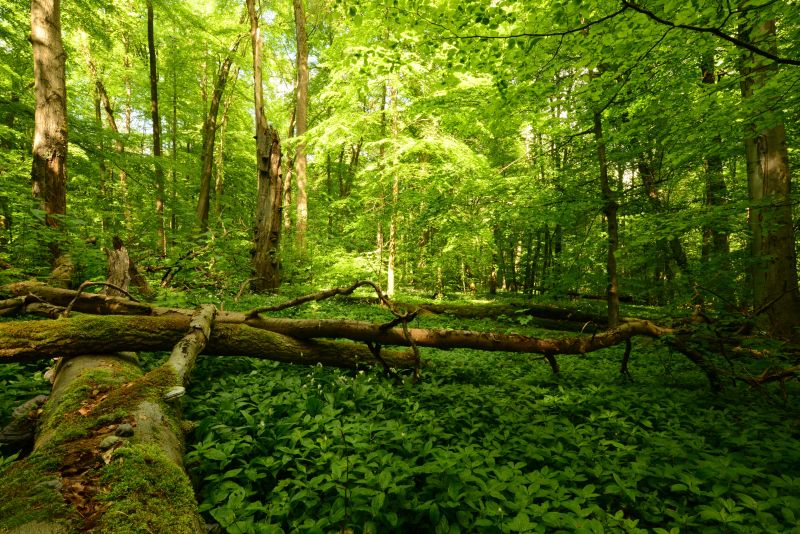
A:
(159, 171)
(210, 135)
(266, 260)
(301, 123)
(610, 208)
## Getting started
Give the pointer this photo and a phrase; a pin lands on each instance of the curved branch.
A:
(739, 43)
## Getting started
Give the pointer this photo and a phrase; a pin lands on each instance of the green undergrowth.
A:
(489, 442)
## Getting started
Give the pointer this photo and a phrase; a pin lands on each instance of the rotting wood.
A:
(185, 352)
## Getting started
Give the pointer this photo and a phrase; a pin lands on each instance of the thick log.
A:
(340, 328)
(33, 340)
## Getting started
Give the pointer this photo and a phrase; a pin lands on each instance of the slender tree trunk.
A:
(209, 137)
(266, 261)
(301, 124)
(49, 169)
(159, 171)
(610, 208)
(715, 240)
(173, 219)
(774, 276)
(123, 175)
(287, 180)
(390, 269)
(219, 184)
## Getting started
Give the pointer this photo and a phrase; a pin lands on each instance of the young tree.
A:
(210, 134)
(159, 171)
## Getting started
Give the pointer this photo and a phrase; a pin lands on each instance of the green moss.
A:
(64, 419)
(147, 493)
(29, 492)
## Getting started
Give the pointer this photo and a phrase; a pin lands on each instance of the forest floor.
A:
(485, 442)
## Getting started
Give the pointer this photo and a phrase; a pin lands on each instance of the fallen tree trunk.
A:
(88, 334)
(108, 453)
(244, 342)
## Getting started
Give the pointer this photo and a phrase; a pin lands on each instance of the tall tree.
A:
(159, 171)
(267, 231)
(210, 134)
(48, 173)
(301, 123)
(774, 273)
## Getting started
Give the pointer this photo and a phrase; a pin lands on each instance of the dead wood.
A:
(89, 334)
(395, 332)
(186, 350)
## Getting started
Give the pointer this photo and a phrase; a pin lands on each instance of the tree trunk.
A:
(159, 171)
(48, 172)
(301, 124)
(715, 239)
(390, 269)
(266, 260)
(22, 341)
(209, 137)
(776, 300)
(610, 208)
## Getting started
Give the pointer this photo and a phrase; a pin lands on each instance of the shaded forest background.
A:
(637, 156)
(450, 146)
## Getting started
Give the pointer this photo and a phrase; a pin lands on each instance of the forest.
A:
(366, 266)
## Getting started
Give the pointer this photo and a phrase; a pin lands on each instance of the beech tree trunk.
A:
(776, 300)
(301, 124)
(48, 172)
(159, 171)
(209, 137)
(267, 232)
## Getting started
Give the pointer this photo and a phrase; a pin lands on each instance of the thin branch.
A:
(87, 284)
(739, 43)
(561, 33)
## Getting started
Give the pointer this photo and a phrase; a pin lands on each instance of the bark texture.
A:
(610, 208)
(267, 231)
(34, 340)
(48, 172)
(776, 300)
(301, 122)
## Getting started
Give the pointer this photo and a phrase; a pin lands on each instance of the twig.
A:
(322, 295)
(87, 284)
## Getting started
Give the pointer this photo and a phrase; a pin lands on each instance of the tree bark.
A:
(301, 125)
(266, 260)
(776, 299)
(22, 341)
(159, 171)
(48, 172)
(610, 208)
(209, 136)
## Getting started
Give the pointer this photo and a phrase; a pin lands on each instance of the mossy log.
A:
(108, 455)
(92, 334)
